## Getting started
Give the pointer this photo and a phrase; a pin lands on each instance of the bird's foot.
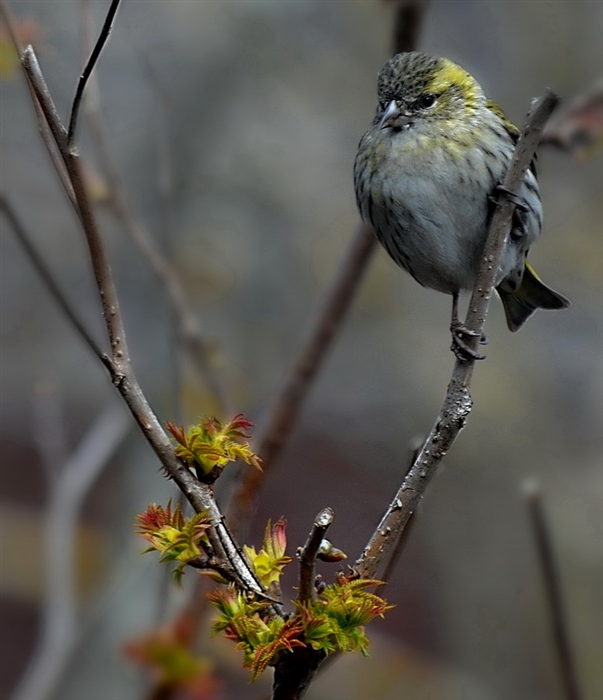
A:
(518, 201)
(459, 346)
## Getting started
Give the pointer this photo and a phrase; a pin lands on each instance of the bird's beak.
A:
(394, 116)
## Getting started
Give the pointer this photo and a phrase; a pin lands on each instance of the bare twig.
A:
(199, 495)
(48, 279)
(67, 494)
(307, 555)
(338, 298)
(457, 403)
(33, 72)
(102, 271)
(101, 42)
(552, 585)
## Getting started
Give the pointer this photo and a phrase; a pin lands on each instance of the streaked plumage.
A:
(424, 175)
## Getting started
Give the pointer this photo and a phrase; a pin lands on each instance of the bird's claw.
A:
(518, 201)
(460, 348)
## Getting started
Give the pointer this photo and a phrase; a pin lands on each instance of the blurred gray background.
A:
(260, 106)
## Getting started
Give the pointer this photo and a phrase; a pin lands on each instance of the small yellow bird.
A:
(425, 173)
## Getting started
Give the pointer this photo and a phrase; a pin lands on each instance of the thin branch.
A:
(49, 280)
(287, 404)
(457, 403)
(36, 80)
(552, 585)
(390, 563)
(100, 263)
(307, 555)
(89, 67)
(199, 495)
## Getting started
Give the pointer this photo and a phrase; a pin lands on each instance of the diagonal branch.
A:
(33, 72)
(290, 398)
(457, 403)
(49, 279)
(119, 365)
(89, 67)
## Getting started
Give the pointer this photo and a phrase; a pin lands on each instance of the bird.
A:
(426, 176)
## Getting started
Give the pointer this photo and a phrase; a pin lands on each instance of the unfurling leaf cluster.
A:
(269, 562)
(333, 622)
(175, 537)
(209, 446)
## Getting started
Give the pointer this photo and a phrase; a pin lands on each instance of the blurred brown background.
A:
(260, 106)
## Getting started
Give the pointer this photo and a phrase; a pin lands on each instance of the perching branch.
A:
(407, 21)
(550, 578)
(457, 403)
(392, 561)
(307, 555)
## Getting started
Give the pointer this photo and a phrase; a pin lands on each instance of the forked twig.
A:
(118, 362)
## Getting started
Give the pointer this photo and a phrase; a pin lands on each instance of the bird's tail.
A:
(532, 294)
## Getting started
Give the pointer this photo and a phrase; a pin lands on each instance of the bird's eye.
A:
(424, 101)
